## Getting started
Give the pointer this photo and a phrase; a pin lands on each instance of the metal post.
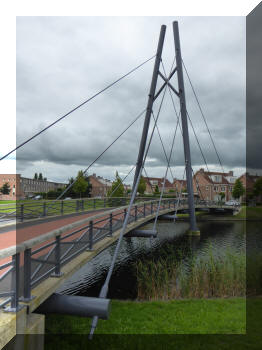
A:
(150, 102)
(90, 235)
(151, 208)
(62, 207)
(77, 205)
(22, 212)
(57, 272)
(182, 98)
(135, 212)
(111, 224)
(104, 202)
(27, 275)
(144, 210)
(15, 282)
(44, 208)
(94, 204)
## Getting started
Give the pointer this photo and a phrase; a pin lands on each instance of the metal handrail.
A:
(90, 232)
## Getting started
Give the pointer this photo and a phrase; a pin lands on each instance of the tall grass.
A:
(209, 275)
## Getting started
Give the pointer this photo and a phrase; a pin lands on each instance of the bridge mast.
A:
(150, 102)
(182, 98)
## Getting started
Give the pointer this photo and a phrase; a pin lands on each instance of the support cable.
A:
(104, 289)
(203, 116)
(98, 157)
(163, 186)
(179, 196)
(77, 107)
(173, 103)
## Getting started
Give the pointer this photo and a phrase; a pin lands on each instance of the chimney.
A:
(230, 173)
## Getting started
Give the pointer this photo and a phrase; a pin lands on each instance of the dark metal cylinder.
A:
(76, 305)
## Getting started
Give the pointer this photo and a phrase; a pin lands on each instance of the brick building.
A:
(152, 182)
(100, 186)
(248, 182)
(179, 185)
(22, 187)
(209, 184)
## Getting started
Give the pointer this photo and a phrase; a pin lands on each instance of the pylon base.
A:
(193, 232)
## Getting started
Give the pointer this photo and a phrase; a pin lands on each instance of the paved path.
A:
(14, 234)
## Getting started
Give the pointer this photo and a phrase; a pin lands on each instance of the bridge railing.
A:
(27, 264)
(38, 209)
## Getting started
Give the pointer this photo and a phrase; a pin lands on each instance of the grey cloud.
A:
(61, 61)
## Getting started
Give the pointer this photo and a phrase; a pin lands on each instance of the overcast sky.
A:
(61, 61)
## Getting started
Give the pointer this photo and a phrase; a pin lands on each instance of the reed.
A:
(210, 275)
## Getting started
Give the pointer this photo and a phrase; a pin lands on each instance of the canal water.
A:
(222, 235)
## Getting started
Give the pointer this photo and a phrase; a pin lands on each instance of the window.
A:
(223, 188)
(217, 178)
(207, 187)
(216, 188)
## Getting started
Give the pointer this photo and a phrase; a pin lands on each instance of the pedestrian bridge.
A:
(33, 270)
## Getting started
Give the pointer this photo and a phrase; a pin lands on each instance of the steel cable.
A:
(74, 109)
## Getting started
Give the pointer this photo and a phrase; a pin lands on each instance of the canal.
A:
(221, 235)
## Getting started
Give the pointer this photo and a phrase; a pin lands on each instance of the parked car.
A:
(38, 197)
(232, 202)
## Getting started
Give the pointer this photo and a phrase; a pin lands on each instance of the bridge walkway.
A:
(35, 268)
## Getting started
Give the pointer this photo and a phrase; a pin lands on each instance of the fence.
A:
(38, 209)
(28, 263)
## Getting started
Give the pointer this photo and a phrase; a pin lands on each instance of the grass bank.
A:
(207, 316)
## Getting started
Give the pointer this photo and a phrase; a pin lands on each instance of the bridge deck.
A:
(66, 249)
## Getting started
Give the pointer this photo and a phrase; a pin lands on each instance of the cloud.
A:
(61, 61)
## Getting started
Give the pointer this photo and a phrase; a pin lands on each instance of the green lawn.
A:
(198, 316)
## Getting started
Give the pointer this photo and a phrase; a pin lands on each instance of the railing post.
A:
(82, 204)
(77, 205)
(104, 202)
(44, 208)
(62, 207)
(91, 235)
(57, 272)
(27, 276)
(151, 208)
(135, 212)
(22, 212)
(144, 210)
(110, 225)
(14, 306)
(94, 204)
(125, 212)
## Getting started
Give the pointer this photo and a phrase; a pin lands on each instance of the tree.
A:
(257, 190)
(81, 184)
(35, 177)
(141, 186)
(222, 195)
(88, 190)
(156, 190)
(40, 176)
(117, 189)
(238, 189)
(5, 189)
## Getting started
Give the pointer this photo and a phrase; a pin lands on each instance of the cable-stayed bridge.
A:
(32, 270)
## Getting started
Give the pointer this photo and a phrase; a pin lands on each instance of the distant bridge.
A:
(40, 265)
